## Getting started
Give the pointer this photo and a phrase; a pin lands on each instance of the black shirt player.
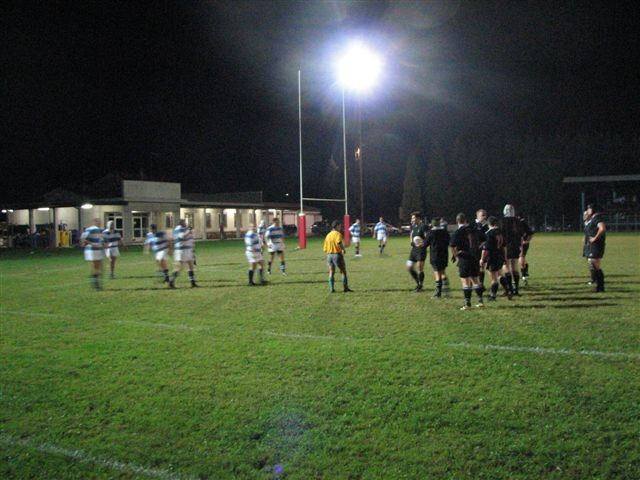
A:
(438, 240)
(513, 231)
(418, 252)
(465, 245)
(493, 256)
(595, 234)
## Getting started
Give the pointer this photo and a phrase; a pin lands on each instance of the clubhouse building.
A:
(134, 205)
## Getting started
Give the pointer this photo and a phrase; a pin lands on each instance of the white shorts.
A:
(276, 247)
(382, 236)
(93, 255)
(355, 239)
(181, 255)
(253, 257)
(162, 255)
(112, 252)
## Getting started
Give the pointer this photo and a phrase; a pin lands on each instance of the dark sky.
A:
(205, 93)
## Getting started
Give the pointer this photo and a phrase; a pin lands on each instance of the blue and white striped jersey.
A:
(252, 242)
(158, 241)
(181, 238)
(261, 230)
(274, 234)
(111, 238)
(355, 230)
(94, 238)
(380, 227)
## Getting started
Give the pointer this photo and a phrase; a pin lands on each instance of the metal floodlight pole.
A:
(344, 153)
(302, 219)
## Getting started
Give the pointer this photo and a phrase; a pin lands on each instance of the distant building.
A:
(134, 205)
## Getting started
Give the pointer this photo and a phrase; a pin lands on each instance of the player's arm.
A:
(454, 253)
(602, 228)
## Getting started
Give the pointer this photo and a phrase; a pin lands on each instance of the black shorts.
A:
(513, 251)
(439, 265)
(495, 263)
(595, 250)
(468, 267)
(418, 254)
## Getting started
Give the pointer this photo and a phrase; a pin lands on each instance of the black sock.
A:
(269, 267)
(438, 287)
(357, 249)
(421, 278)
(494, 289)
(505, 284)
(282, 266)
(192, 277)
(166, 274)
(482, 278)
(250, 276)
(479, 289)
(600, 280)
(467, 295)
(509, 280)
(525, 270)
(516, 280)
(414, 274)
(345, 281)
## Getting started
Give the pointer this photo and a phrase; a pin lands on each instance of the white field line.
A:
(83, 457)
(315, 337)
(168, 326)
(540, 350)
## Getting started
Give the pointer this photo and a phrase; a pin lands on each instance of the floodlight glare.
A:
(359, 68)
(43, 209)
(86, 206)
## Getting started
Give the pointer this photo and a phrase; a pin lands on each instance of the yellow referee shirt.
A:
(333, 242)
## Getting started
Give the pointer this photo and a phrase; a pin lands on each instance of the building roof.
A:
(602, 179)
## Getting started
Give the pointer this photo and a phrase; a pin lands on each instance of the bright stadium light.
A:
(43, 209)
(359, 68)
(86, 206)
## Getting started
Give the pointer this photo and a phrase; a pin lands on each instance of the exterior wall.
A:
(68, 216)
(18, 217)
(138, 191)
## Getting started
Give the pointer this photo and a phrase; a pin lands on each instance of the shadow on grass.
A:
(563, 306)
(300, 282)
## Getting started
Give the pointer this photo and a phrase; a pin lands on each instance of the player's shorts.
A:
(93, 255)
(275, 247)
(439, 265)
(595, 250)
(253, 257)
(495, 263)
(525, 249)
(418, 254)
(513, 251)
(468, 266)
(381, 236)
(112, 252)
(183, 255)
(162, 255)
(355, 239)
(336, 260)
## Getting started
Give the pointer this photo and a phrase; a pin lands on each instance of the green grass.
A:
(227, 381)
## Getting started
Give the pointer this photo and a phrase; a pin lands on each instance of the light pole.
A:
(357, 70)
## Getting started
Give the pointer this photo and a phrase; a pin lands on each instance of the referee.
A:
(335, 256)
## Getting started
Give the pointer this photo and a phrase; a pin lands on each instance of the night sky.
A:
(205, 93)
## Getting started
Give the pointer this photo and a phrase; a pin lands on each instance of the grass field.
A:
(289, 381)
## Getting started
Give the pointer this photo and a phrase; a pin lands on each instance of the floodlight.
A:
(359, 68)
(86, 206)
(43, 209)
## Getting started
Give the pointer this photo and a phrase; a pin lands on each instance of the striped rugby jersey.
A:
(355, 230)
(380, 227)
(181, 237)
(274, 234)
(111, 238)
(252, 242)
(158, 241)
(94, 238)
(261, 230)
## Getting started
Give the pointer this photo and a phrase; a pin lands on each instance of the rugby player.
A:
(418, 252)
(157, 241)
(464, 245)
(275, 244)
(595, 231)
(481, 225)
(93, 241)
(335, 256)
(253, 252)
(513, 232)
(356, 230)
(524, 249)
(380, 232)
(182, 253)
(438, 241)
(112, 239)
(493, 256)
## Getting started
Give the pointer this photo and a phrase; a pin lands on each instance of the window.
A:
(168, 220)
(140, 225)
(116, 218)
(207, 217)
(188, 218)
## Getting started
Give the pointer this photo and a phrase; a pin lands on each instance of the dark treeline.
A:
(469, 172)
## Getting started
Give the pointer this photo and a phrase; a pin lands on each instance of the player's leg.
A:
(192, 275)
(251, 271)
(438, 279)
(271, 255)
(467, 287)
(599, 274)
(282, 265)
(412, 271)
(332, 275)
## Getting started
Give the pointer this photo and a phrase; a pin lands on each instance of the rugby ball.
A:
(418, 241)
